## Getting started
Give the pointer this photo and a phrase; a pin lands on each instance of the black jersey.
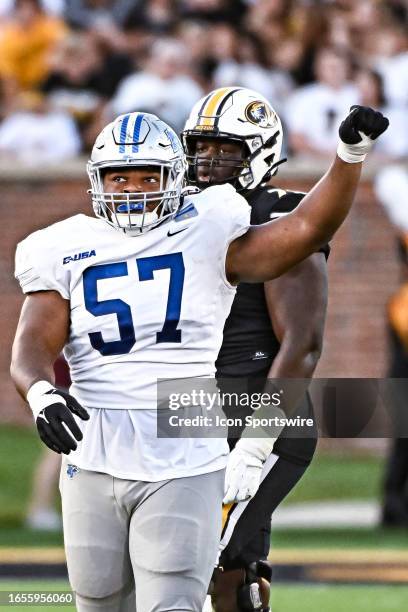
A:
(248, 334)
(249, 343)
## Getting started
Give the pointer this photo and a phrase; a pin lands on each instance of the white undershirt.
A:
(123, 443)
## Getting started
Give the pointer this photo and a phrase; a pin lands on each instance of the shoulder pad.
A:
(284, 201)
(271, 202)
(186, 211)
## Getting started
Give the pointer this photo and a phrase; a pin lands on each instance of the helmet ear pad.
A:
(260, 163)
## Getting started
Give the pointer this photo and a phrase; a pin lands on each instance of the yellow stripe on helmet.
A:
(209, 113)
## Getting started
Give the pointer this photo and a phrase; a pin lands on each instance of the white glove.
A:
(244, 468)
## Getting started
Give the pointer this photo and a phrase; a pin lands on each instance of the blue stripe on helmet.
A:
(136, 133)
(123, 130)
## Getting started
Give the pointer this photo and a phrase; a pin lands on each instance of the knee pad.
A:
(117, 602)
(248, 595)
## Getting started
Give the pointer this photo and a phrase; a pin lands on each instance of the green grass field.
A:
(33, 585)
(329, 477)
(339, 476)
(284, 598)
(332, 476)
(341, 538)
(317, 598)
(293, 538)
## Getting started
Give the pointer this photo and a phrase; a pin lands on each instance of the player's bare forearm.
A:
(267, 251)
(41, 334)
(325, 207)
(297, 303)
(30, 363)
(292, 362)
(290, 372)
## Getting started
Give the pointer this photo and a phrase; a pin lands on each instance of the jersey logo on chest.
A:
(178, 231)
(79, 256)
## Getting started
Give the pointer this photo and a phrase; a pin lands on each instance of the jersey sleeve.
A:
(232, 211)
(227, 215)
(36, 267)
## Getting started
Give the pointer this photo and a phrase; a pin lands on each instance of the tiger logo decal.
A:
(260, 114)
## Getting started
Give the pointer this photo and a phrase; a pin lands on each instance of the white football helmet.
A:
(130, 141)
(240, 115)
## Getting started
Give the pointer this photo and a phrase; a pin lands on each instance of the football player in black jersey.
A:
(274, 330)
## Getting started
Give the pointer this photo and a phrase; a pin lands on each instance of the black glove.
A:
(358, 131)
(362, 119)
(51, 420)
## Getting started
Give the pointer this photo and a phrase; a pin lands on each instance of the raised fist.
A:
(358, 132)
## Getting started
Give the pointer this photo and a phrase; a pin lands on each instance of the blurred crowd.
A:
(69, 66)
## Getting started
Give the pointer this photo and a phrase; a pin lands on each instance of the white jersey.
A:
(142, 308)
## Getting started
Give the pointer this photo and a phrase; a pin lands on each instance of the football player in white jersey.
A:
(138, 293)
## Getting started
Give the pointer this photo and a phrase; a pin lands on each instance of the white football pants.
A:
(145, 546)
